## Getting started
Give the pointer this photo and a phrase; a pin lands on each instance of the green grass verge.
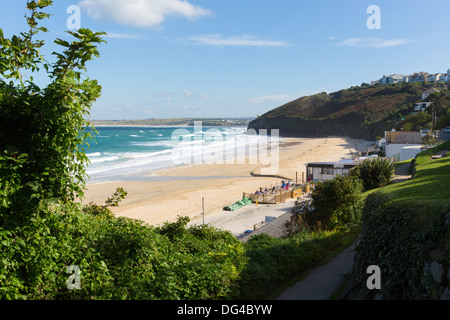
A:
(429, 186)
(277, 263)
(346, 241)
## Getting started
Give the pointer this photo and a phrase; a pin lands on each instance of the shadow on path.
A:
(322, 282)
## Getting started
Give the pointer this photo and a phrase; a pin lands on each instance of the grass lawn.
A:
(430, 184)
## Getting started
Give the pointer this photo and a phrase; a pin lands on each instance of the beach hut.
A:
(323, 171)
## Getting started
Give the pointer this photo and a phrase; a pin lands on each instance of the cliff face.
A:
(358, 112)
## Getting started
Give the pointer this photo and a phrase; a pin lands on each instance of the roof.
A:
(431, 91)
(403, 137)
(344, 162)
(394, 76)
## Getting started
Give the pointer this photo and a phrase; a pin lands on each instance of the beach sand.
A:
(164, 195)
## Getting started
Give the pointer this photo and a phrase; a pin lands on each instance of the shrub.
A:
(297, 223)
(334, 204)
(374, 172)
(42, 129)
(113, 201)
(119, 258)
(35, 256)
(397, 237)
(273, 261)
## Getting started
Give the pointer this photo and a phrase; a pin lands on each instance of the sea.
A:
(136, 153)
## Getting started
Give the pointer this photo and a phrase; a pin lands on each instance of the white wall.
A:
(395, 149)
(409, 152)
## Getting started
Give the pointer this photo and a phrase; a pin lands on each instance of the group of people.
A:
(285, 185)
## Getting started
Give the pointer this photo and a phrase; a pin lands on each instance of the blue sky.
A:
(229, 58)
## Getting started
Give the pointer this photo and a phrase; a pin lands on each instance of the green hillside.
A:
(405, 230)
(358, 112)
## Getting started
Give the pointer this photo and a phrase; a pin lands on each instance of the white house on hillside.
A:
(428, 92)
(437, 77)
(395, 141)
(391, 78)
(416, 77)
(422, 106)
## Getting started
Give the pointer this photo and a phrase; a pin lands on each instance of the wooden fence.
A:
(277, 197)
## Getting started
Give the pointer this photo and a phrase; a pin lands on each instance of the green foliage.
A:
(334, 204)
(374, 172)
(34, 257)
(443, 121)
(402, 224)
(113, 201)
(273, 261)
(119, 258)
(424, 157)
(415, 122)
(297, 222)
(42, 129)
(398, 238)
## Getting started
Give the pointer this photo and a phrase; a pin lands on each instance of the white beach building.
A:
(410, 152)
(323, 171)
(395, 141)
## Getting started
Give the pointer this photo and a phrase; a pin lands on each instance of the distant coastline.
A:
(140, 125)
(174, 122)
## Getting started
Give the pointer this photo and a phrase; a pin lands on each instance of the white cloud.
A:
(184, 108)
(236, 41)
(175, 96)
(373, 42)
(269, 99)
(142, 13)
(122, 36)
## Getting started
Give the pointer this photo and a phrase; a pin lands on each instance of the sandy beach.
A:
(161, 196)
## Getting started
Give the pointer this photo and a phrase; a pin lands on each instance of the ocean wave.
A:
(161, 143)
(209, 145)
(94, 154)
(129, 161)
(105, 159)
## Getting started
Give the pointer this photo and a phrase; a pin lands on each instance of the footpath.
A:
(322, 282)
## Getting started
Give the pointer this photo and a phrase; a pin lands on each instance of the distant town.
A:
(416, 77)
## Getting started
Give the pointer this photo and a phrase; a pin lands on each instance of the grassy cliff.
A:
(406, 232)
(358, 112)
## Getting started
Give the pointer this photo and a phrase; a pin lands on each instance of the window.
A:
(327, 170)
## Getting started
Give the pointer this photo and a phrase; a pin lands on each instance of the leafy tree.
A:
(374, 172)
(42, 130)
(334, 204)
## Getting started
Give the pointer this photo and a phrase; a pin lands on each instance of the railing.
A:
(278, 197)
